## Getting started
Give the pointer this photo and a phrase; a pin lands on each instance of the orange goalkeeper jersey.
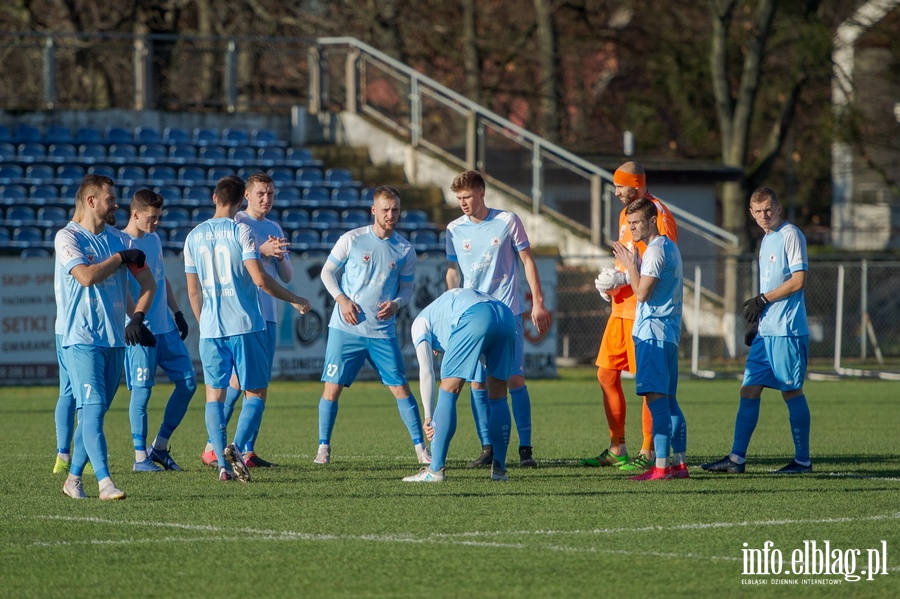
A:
(623, 301)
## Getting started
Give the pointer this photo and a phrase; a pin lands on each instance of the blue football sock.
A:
(251, 415)
(177, 407)
(662, 427)
(798, 415)
(500, 425)
(679, 427)
(521, 409)
(409, 412)
(231, 397)
(94, 440)
(215, 428)
(79, 455)
(744, 425)
(444, 423)
(481, 410)
(327, 415)
(65, 423)
(137, 414)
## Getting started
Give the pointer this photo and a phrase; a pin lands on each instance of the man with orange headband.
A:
(617, 346)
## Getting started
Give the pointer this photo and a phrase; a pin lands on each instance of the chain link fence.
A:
(853, 309)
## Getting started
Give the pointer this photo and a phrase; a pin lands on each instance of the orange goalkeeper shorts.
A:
(617, 346)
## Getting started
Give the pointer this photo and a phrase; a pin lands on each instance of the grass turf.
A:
(352, 528)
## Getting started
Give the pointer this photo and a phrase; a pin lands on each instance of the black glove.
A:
(137, 333)
(750, 334)
(754, 307)
(182, 325)
(133, 256)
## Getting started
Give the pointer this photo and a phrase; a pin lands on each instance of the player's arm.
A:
(91, 274)
(453, 277)
(147, 292)
(540, 317)
(349, 309)
(284, 268)
(792, 285)
(195, 294)
(419, 331)
(631, 261)
(264, 281)
(389, 308)
(172, 302)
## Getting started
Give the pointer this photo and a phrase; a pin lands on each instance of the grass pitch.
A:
(353, 529)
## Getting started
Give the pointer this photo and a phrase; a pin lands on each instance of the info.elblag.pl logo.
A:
(817, 559)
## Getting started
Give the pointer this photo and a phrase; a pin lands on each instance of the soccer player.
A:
(275, 256)
(482, 246)
(170, 352)
(223, 269)
(617, 346)
(780, 348)
(378, 266)
(657, 282)
(466, 325)
(93, 291)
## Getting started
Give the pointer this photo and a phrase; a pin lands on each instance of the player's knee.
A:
(190, 385)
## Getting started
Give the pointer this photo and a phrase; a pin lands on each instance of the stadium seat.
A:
(186, 151)
(330, 237)
(5, 235)
(204, 136)
(161, 175)
(32, 150)
(304, 239)
(273, 153)
(27, 133)
(34, 253)
(57, 134)
(310, 176)
(170, 193)
(54, 216)
(199, 193)
(424, 240)
(176, 217)
(8, 151)
(300, 156)
(338, 175)
(122, 214)
(281, 175)
(133, 173)
(264, 137)
(92, 151)
(28, 235)
(147, 135)
(62, 151)
(84, 135)
(294, 218)
(242, 154)
(40, 173)
(317, 195)
(44, 192)
(285, 197)
(5, 133)
(355, 217)
(235, 137)
(413, 219)
(153, 152)
(176, 135)
(213, 154)
(191, 174)
(177, 235)
(70, 174)
(123, 152)
(20, 215)
(13, 193)
(345, 196)
(325, 218)
(119, 135)
(217, 172)
(203, 213)
(11, 172)
(103, 169)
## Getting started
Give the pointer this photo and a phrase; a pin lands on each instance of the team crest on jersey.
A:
(467, 246)
(392, 265)
(495, 242)
(90, 258)
(366, 258)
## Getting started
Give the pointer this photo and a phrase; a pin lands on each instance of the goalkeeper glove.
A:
(137, 333)
(182, 325)
(133, 256)
(750, 334)
(609, 279)
(754, 307)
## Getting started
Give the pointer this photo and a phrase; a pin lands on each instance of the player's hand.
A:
(610, 278)
(387, 309)
(750, 334)
(301, 306)
(626, 256)
(133, 256)
(605, 296)
(275, 247)
(137, 333)
(754, 308)
(182, 325)
(540, 317)
(349, 309)
(428, 428)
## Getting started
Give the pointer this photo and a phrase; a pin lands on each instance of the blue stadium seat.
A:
(217, 172)
(123, 152)
(62, 151)
(13, 193)
(20, 215)
(213, 154)
(413, 219)
(133, 173)
(5, 133)
(177, 235)
(177, 135)
(84, 135)
(8, 151)
(176, 216)
(300, 156)
(153, 152)
(309, 176)
(317, 195)
(5, 235)
(32, 150)
(203, 213)
(294, 218)
(281, 174)
(325, 218)
(119, 135)
(33, 252)
(199, 193)
(70, 174)
(345, 196)
(27, 133)
(242, 154)
(273, 153)
(170, 193)
(40, 173)
(338, 175)
(204, 136)
(286, 197)
(235, 137)
(53, 216)
(184, 151)
(28, 235)
(355, 217)
(329, 238)
(122, 214)
(424, 240)
(57, 134)
(304, 239)
(92, 151)
(44, 192)
(147, 135)
(11, 172)
(188, 174)
(103, 169)
(162, 175)
(264, 137)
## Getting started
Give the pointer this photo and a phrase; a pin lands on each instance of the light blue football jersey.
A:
(158, 318)
(487, 254)
(782, 253)
(444, 313)
(59, 273)
(373, 270)
(93, 315)
(215, 251)
(261, 230)
(659, 317)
